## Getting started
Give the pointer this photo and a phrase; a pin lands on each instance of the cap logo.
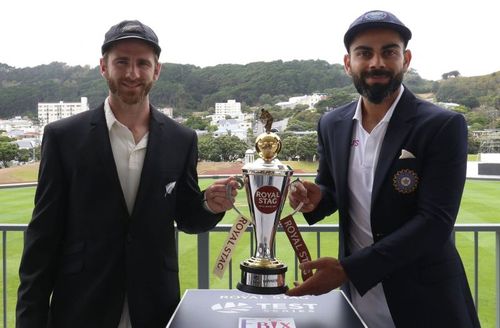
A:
(375, 16)
(130, 28)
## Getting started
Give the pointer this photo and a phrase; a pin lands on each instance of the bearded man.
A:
(100, 250)
(394, 167)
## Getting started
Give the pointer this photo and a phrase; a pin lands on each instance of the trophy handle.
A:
(228, 194)
(299, 207)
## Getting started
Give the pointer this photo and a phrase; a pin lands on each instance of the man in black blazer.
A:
(100, 249)
(394, 167)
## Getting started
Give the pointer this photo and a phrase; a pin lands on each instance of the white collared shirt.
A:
(129, 159)
(365, 150)
(129, 156)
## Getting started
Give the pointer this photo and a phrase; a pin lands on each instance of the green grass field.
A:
(479, 205)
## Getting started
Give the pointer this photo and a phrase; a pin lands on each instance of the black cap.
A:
(130, 29)
(374, 19)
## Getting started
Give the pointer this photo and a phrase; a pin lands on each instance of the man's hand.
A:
(328, 276)
(216, 195)
(306, 192)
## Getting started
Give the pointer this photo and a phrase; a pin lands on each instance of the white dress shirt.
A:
(129, 159)
(365, 150)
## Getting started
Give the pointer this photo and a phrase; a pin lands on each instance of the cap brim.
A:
(105, 47)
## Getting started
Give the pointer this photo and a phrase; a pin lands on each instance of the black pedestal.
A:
(236, 309)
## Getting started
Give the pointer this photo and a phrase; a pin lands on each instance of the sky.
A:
(448, 35)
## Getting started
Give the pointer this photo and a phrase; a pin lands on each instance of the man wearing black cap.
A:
(394, 167)
(100, 249)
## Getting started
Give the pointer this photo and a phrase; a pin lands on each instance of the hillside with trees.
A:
(186, 88)
(190, 89)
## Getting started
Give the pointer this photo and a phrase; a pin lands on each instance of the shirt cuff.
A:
(205, 205)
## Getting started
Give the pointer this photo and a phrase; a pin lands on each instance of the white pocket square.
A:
(405, 154)
(169, 187)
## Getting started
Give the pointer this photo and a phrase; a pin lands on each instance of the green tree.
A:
(24, 155)
(8, 152)
(416, 83)
(221, 149)
(230, 148)
(207, 149)
(304, 121)
(336, 99)
(5, 139)
(473, 144)
(299, 147)
(289, 146)
(306, 147)
(197, 123)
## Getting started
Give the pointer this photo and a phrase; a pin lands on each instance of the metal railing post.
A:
(497, 252)
(203, 255)
(4, 275)
(476, 270)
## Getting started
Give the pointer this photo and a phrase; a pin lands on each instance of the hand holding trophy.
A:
(266, 183)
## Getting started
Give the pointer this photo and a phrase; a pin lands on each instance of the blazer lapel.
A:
(158, 151)
(342, 130)
(397, 130)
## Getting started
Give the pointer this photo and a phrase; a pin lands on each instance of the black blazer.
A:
(415, 202)
(83, 252)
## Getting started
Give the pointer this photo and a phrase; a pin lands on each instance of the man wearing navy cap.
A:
(394, 167)
(100, 249)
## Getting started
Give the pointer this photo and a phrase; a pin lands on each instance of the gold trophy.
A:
(266, 184)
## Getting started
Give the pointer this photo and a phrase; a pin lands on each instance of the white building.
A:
(51, 112)
(19, 128)
(169, 111)
(307, 100)
(231, 109)
(233, 127)
(16, 123)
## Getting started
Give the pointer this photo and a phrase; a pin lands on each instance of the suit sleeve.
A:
(43, 237)
(324, 180)
(441, 184)
(191, 217)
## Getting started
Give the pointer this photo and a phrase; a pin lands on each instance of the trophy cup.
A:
(266, 184)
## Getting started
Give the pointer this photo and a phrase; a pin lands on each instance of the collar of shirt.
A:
(110, 117)
(112, 121)
(358, 115)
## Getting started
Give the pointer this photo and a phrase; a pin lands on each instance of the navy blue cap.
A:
(375, 19)
(130, 29)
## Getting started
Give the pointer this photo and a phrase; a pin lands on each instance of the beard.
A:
(129, 97)
(377, 92)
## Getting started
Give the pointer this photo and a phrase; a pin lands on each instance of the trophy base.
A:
(261, 290)
(262, 280)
